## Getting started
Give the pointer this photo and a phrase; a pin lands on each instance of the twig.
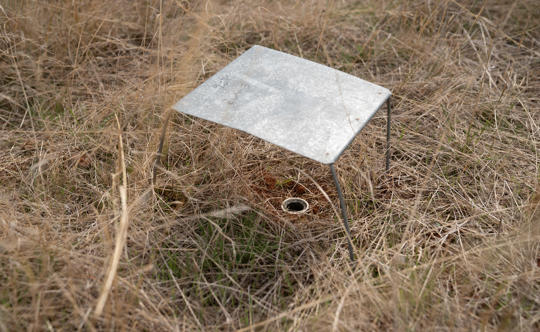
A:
(157, 161)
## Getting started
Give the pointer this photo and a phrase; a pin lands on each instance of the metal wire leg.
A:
(343, 211)
(388, 118)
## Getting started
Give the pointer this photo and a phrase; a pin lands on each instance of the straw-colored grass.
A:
(448, 239)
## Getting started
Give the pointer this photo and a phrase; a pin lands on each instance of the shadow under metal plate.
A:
(299, 105)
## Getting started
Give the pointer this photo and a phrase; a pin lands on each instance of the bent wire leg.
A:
(343, 211)
(388, 118)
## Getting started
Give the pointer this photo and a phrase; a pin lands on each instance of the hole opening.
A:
(295, 205)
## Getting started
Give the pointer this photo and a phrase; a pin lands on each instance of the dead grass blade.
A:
(121, 234)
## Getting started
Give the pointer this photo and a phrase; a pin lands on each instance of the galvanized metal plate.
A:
(300, 105)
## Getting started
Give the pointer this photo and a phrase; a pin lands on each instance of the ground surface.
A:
(447, 240)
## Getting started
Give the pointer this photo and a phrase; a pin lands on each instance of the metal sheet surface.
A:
(300, 105)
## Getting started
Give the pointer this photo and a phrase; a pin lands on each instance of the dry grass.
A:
(447, 240)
